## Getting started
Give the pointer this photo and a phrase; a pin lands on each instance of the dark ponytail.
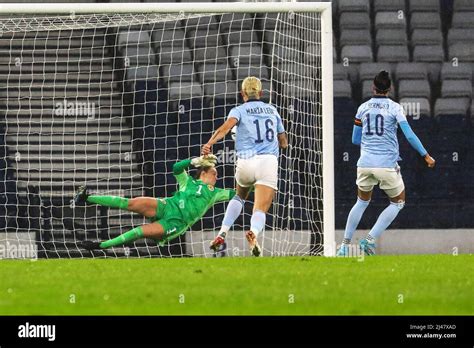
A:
(382, 82)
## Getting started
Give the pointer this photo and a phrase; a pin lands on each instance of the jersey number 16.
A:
(269, 132)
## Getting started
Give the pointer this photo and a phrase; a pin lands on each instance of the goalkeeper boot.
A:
(216, 243)
(90, 245)
(368, 248)
(343, 250)
(254, 247)
(81, 195)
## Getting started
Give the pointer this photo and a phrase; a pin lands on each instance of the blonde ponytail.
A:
(252, 86)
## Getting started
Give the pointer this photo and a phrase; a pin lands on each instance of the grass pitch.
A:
(381, 285)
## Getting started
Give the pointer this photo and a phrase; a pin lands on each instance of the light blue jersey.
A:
(379, 146)
(257, 128)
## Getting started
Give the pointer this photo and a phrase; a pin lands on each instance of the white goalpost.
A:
(111, 95)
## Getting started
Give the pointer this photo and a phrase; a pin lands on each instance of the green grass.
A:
(429, 285)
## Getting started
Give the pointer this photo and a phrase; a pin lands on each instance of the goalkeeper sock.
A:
(385, 219)
(124, 238)
(257, 222)
(109, 201)
(234, 208)
(354, 217)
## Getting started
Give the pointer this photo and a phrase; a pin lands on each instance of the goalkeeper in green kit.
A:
(170, 217)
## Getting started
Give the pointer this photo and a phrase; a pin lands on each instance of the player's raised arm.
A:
(179, 171)
(416, 143)
(220, 133)
(179, 168)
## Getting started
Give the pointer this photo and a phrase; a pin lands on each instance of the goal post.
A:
(113, 94)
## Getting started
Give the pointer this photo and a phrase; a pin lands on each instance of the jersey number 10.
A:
(269, 132)
(378, 125)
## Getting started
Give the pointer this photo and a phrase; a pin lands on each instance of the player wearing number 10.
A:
(260, 133)
(375, 130)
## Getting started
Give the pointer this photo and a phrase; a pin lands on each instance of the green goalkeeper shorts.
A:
(169, 216)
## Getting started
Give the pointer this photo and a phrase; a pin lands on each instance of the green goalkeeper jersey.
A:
(194, 198)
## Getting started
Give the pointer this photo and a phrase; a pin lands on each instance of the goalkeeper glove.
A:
(204, 161)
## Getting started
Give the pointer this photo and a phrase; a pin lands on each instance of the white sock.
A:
(234, 208)
(257, 222)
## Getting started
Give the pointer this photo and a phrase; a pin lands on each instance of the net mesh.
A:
(113, 101)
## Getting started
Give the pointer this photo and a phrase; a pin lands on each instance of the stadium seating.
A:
(184, 90)
(342, 89)
(142, 73)
(354, 20)
(340, 72)
(367, 71)
(460, 35)
(390, 20)
(414, 88)
(354, 6)
(428, 53)
(357, 54)
(411, 71)
(391, 37)
(389, 5)
(463, 5)
(464, 52)
(393, 53)
(423, 103)
(433, 37)
(451, 113)
(355, 37)
(463, 19)
(425, 20)
(424, 6)
(456, 88)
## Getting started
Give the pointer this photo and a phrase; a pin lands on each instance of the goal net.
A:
(112, 99)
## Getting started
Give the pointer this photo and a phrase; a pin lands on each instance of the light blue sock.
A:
(257, 222)
(234, 208)
(354, 218)
(385, 219)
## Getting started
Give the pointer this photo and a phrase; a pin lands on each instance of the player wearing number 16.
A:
(259, 136)
(375, 130)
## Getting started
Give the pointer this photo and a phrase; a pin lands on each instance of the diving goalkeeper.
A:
(170, 217)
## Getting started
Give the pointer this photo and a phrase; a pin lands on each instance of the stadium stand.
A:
(391, 37)
(425, 20)
(411, 70)
(393, 53)
(425, 6)
(463, 5)
(354, 6)
(389, 5)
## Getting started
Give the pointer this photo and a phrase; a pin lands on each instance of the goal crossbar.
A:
(215, 7)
